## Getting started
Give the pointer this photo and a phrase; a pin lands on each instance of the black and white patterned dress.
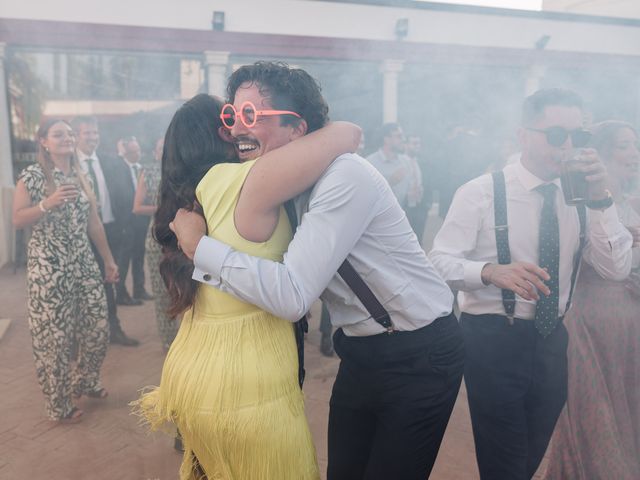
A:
(167, 326)
(66, 297)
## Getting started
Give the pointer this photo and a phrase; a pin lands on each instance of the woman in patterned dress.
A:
(598, 434)
(66, 299)
(145, 203)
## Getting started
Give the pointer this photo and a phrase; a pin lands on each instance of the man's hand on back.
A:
(189, 228)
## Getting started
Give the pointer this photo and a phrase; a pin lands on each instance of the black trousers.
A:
(392, 400)
(137, 254)
(113, 235)
(517, 386)
(325, 320)
(132, 253)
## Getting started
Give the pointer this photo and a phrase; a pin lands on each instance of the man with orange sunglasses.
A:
(400, 346)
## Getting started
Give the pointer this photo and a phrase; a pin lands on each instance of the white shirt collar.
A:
(529, 180)
(84, 157)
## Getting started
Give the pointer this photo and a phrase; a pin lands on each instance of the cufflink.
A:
(206, 277)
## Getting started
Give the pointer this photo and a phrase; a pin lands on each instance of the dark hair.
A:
(191, 148)
(288, 88)
(128, 139)
(384, 132)
(83, 120)
(535, 104)
(604, 134)
(388, 129)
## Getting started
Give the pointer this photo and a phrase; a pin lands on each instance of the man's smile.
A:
(245, 146)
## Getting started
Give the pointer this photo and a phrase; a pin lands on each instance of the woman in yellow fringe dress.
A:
(230, 379)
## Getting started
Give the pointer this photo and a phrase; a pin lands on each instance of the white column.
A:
(6, 168)
(535, 74)
(390, 70)
(637, 119)
(217, 64)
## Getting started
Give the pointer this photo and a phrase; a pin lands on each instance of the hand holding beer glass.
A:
(583, 177)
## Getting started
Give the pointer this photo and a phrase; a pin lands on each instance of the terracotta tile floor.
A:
(108, 443)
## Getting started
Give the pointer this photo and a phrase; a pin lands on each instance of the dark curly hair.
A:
(288, 88)
(191, 147)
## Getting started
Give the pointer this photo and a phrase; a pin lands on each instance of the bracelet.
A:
(42, 207)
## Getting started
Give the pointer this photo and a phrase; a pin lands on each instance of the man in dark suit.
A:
(134, 249)
(107, 176)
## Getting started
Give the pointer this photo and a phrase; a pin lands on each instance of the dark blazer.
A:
(121, 191)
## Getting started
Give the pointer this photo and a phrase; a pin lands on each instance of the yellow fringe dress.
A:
(229, 382)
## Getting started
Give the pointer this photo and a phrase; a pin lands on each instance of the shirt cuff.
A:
(473, 275)
(209, 260)
(607, 219)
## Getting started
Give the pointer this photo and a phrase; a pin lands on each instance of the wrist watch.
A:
(601, 204)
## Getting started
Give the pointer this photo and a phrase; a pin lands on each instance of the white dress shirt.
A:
(104, 200)
(416, 189)
(388, 167)
(351, 212)
(466, 242)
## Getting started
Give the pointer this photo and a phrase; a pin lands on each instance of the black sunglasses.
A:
(556, 136)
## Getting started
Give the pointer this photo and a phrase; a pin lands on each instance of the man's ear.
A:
(299, 130)
(225, 134)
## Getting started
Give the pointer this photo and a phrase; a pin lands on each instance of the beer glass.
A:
(574, 183)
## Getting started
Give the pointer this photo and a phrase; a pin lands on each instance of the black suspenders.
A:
(355, 283)
(502, 241)
(582, 215)
(365, 295)
(301, 326)
(502, 237)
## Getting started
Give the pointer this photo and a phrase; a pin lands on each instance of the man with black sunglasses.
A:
(557, 136)
(512, 247)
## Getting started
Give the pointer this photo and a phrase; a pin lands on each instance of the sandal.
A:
(74, 416)
(100, 394)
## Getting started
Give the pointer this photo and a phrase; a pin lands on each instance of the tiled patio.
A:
(108, 443)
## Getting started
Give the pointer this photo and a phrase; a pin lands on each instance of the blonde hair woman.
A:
(66, 298)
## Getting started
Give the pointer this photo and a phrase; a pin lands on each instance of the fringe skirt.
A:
(230, 386)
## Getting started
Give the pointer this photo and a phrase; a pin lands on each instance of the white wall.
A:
(326, 19)
(613, 8)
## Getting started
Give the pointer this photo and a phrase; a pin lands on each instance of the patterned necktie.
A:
(549, 258)
(94, 181)
(136, 173)
(94, 178)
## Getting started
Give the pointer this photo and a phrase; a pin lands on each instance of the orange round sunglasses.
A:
(248, 114)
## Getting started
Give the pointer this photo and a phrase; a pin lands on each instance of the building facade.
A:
(609, 8)
(429, 66)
